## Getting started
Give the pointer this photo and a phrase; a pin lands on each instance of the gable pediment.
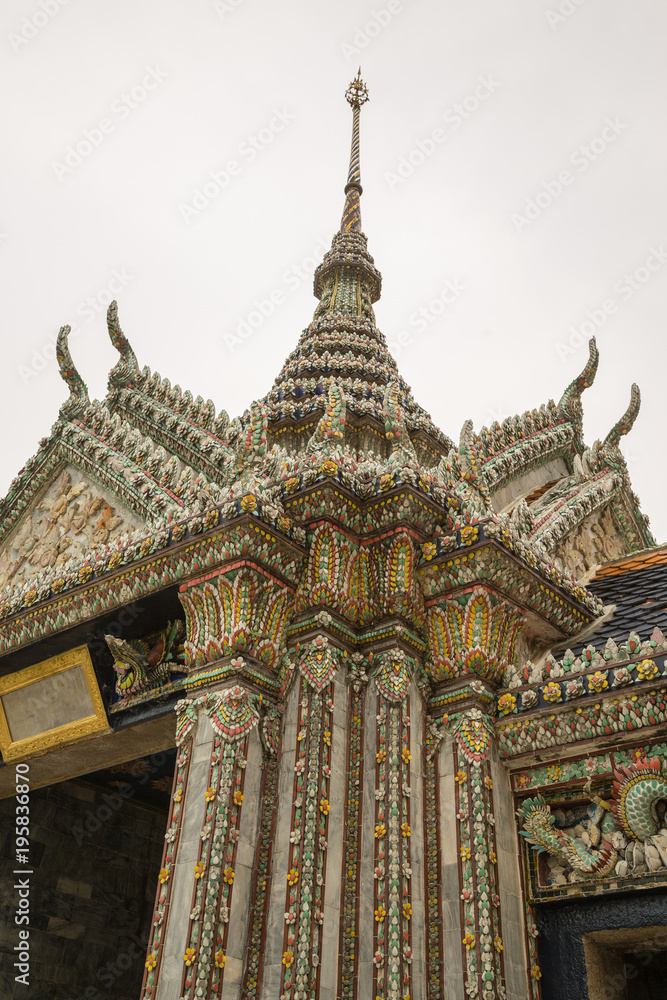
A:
(71, 515)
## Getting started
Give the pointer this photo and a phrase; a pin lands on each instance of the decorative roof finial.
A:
(127, 366)
(357, 95)
(78, 393)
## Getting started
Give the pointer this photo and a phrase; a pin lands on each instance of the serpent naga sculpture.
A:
(541, 831)
(141, 663)
(627, 834)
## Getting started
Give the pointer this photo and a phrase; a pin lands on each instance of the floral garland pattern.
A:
(434, 942)
(302, 939)
(262, 870)
(534, 972)
(482, 944)
(604, 718)
(351, 888)
(233, 715)
(187, 719)
(393, 898)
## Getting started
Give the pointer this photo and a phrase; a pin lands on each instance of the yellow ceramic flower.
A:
(469, 941)
(200, 868)
(220, 959)
(228, 875)
(551, 691)
(469, 535)
(164, 875)
(238, 797)
(380, 914)
(292, 876)
(189, 956)
(288, 958)
(506, 703)
(646, 670)
(598, 681)
(151, 962)
(380, 830)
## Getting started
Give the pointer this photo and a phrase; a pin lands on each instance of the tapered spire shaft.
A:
(357, 95)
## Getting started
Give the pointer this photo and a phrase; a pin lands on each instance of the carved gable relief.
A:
(71, 517)
(595, 543)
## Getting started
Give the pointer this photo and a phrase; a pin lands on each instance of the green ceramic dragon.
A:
(638, 809)
(638, 791)
(541, 831)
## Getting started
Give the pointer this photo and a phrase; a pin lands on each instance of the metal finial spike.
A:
(357, 92)
(357, 95)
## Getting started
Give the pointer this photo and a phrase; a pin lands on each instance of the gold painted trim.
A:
(70, 732)
(332, 301)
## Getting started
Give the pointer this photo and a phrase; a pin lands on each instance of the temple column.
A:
(301, 942)
(210, 914)
(202, 921)
(476, 929)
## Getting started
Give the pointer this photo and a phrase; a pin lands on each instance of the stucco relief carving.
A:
(595, 543)
(73, 516)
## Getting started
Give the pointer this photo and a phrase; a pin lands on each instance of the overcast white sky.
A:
(522, 92)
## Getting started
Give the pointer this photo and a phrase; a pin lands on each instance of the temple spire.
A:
(357, 95)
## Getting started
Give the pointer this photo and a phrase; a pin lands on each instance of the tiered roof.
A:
(156, 455)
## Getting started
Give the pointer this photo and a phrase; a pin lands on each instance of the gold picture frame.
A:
(62, 686)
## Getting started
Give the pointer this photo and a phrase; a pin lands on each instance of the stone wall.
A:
(95, 859)
(633, 945)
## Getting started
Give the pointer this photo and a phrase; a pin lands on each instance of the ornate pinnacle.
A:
(357, 95)
(357, 92)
